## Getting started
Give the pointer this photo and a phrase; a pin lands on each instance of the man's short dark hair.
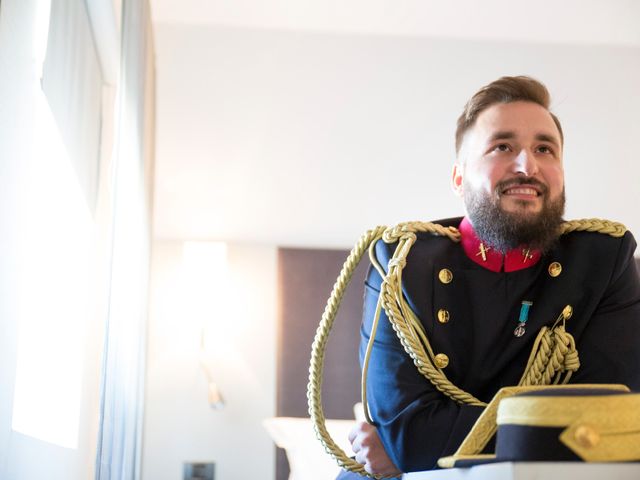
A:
(503, 90)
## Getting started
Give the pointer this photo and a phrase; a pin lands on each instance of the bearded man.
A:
(481, 302)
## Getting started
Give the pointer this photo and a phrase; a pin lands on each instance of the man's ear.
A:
(457, 178)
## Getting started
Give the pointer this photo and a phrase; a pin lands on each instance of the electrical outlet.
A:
(198, 471)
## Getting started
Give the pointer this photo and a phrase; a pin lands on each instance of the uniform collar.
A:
(517, 259)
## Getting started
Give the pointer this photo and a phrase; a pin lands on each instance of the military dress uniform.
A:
(482, 311)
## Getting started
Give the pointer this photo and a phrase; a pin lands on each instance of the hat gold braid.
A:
(552, 359)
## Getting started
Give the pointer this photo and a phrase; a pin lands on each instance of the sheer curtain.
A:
(119, 443)
(72, 81)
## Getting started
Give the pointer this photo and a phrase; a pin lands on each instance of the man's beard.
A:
(503, 230)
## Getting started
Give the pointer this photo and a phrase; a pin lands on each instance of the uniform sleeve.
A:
(609, 347)
(416, 423)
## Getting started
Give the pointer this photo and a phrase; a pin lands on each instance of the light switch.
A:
(198, 471)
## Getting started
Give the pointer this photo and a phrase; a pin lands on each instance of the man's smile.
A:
(521, 191)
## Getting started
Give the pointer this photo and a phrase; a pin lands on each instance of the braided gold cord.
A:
(608, 227)
(393, 234)
(553, 353)
(400, 316)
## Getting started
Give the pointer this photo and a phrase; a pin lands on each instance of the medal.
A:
(524, 316)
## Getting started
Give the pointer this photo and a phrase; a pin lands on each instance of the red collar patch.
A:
(516, 259)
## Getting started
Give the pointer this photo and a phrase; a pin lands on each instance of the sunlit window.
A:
(57, 263)
(54, 274)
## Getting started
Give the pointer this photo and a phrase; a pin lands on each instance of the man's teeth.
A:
(521, 191)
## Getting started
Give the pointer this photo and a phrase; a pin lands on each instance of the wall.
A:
(308, 139)
(179, 424)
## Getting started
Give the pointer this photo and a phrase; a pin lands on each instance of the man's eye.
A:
(544, 149)
(503, 147)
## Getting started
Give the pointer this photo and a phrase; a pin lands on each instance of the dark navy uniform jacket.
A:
(416, 423)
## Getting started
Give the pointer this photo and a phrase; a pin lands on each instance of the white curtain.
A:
(72, 82)
(119, 443)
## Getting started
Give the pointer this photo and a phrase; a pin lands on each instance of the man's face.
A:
(511, 176)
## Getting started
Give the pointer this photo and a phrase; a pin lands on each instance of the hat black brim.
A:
(474, 462)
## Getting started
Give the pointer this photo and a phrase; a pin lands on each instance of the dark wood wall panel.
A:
(305, 280)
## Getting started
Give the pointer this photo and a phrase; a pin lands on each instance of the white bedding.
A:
(307, 458)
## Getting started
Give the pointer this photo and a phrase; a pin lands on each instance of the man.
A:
(510, 275)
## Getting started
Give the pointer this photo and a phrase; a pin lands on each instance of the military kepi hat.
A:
(582, 423)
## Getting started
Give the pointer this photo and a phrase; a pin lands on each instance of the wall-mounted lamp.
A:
(214, 396)
(205, 278)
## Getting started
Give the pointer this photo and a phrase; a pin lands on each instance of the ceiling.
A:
(607, 22)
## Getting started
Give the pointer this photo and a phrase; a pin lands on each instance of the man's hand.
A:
(369, 451)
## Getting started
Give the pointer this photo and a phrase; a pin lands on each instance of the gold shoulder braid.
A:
(552, 360)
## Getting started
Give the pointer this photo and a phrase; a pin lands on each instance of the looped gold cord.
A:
(553, 354)
(314, 388)
(552, 360)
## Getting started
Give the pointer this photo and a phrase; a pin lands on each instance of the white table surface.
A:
(534, 471)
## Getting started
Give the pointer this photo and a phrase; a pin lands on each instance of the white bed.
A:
(307, 458)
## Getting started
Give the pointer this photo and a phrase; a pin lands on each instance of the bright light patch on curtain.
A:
(55, 278)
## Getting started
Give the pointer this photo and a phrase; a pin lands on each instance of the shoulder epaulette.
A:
(598, 225)
(393, 234)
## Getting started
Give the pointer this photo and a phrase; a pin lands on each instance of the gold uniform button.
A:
(445, 275)
(441, 360)
(586, 437)
(555, 269)
(443, 315)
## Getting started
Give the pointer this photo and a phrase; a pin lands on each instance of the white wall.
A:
(179, 424)
(297, 138)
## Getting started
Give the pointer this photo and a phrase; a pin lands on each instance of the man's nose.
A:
(526, 163)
